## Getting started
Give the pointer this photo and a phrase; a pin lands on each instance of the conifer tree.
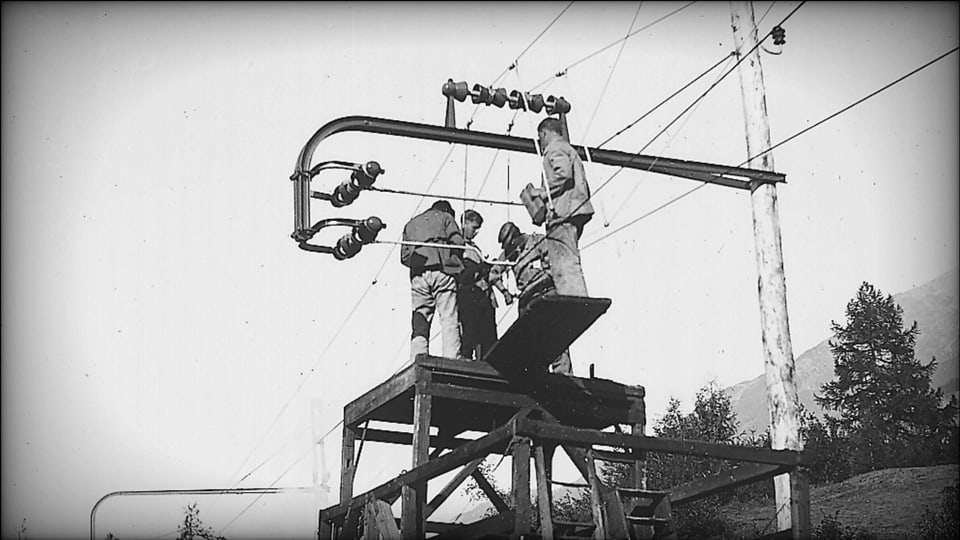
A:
(882, 392)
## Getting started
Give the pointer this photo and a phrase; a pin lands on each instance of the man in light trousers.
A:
(433, 277)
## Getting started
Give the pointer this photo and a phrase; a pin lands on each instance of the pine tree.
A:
(887, 409)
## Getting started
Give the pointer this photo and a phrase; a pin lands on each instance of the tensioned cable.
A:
(493, 162)
(668, 98)
(636, 185)
(788, 139)
(591, 55)
(342, 326)
(272, 484)
(766, 12)
(613, 68)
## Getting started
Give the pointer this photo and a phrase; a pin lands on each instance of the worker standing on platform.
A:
(475, 296)
(433, 277)
(566, 195)
(532, 273)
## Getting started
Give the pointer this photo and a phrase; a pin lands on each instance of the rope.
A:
(452, 197)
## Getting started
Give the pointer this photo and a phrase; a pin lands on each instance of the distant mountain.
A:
(933, 305)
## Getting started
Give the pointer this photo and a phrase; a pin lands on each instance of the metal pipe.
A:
(724, 175)
(205, 491)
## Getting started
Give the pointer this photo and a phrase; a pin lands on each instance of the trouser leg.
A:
(446, 302)
(422, 314)
(564, 253)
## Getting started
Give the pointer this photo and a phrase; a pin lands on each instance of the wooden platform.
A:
(471, 395)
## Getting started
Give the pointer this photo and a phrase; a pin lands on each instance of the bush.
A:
(945, 522)
(831, 529)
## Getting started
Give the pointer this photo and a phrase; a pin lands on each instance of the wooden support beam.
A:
(487, 488)
(521, 487)
(415, 494)
(596, 498)
(441, 465)
(569, 436)
(380, 524)
(400, 437)
(800, 504)
(639, 468)
(451, 486)
(359, 409)
(731, 478)
(348, 466)
(543, 494)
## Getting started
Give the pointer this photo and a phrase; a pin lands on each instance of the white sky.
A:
(162, 331)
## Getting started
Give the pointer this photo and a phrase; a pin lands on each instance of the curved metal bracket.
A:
(735, 177)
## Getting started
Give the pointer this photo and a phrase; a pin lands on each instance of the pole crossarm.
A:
(541, 431)
(724, 175)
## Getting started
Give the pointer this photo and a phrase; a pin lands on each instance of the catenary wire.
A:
(788, 139)
(563, 71)
(613, 68)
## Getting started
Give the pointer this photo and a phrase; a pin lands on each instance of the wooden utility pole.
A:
(777, 349)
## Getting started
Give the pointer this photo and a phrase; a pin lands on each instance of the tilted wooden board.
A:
(548, 326)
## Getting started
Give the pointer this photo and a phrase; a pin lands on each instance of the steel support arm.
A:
(724, 175)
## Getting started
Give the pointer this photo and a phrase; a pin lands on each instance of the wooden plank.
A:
(487, 397)
(487, 488)
(737, 476)
(414, 495)
(596, 504)
(543, 494)
(385, 526)
(520, 487)
(546, 329)
(569, 436)
(359, 409)
(401, 437)
(442, 464)
(451, 486)
(800, 504)
(348, 467)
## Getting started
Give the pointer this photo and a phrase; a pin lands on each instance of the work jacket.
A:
(566, 179)
(532, 269)
(432, 226)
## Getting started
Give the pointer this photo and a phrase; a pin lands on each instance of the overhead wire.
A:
(781, 143)
(563, 71)
(613, 68)
(636, 185)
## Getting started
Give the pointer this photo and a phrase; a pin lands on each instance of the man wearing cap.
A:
(433, 277)
(475, 298)
(567, 197)
(532, 273)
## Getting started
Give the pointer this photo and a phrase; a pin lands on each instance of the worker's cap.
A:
(507, 232)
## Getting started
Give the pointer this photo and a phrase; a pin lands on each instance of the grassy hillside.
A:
(888, 503)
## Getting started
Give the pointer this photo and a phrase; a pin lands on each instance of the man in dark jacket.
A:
(532, 273)
(433, 277)
(475, 296)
